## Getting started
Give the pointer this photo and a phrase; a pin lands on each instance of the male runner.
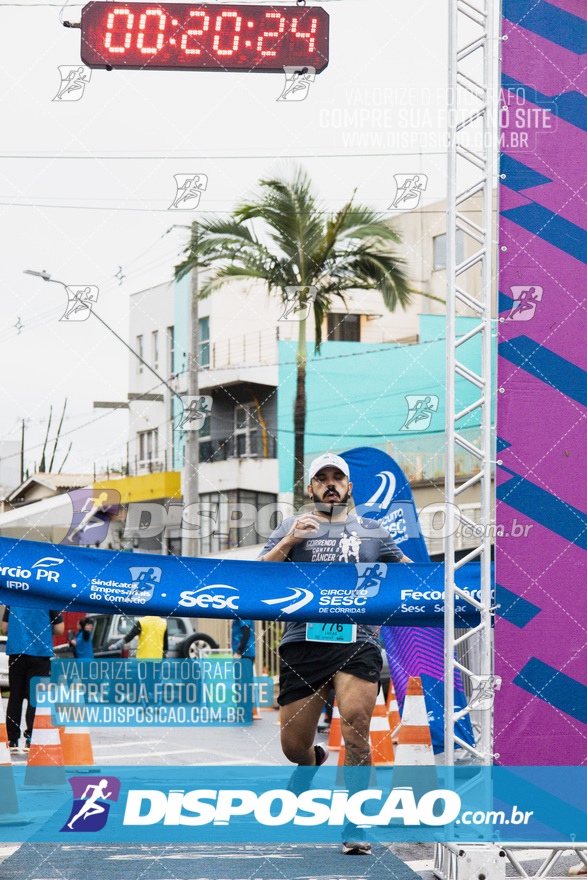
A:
(310, 668)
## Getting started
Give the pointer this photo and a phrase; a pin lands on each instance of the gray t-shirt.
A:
(355, 539)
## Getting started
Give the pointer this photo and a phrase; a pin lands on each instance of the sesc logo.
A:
(90, 802)
(207, 597)
(294, 604)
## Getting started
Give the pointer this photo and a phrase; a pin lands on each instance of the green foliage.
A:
(301, 244)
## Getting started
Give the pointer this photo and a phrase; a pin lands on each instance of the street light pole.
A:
(46, 277)
(191, 465)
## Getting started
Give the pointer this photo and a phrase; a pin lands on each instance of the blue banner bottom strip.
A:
(284, 804)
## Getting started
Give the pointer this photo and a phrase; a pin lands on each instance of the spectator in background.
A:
(152, 633)
(243, 639)
(81, 643)
(29, 647)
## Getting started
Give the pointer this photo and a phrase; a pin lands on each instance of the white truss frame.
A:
(470, 31)
(478, 16)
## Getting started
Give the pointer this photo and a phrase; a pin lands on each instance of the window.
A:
(439, 245)
(247, 431)
(141, 353)
(344, 328)
(170, 350)
(175, 627)
(155, 349)
(238, 518)
(204, 341)
(148, 447)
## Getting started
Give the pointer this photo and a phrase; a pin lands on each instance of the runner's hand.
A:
(304, 527)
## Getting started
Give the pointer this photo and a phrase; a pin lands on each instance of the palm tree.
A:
(304, 247)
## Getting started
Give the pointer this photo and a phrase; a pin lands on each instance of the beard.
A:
(331, 506)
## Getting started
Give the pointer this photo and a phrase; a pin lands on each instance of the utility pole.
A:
(22, 453)
(191, 464)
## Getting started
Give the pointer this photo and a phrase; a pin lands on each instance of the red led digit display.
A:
(205, 36)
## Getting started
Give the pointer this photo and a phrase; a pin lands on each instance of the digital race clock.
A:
(205, 36)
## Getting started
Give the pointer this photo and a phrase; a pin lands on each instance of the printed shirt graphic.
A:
(353, 540)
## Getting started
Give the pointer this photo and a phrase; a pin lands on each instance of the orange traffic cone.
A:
(380, 734)
(76, 745)
(45, 768)
(335, 737)
(9, 800)
(414, 758)
(414, 747)
(381, 744)
(393, 713)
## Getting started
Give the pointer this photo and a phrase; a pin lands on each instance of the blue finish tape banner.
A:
(270, 804)
(74, 578)
(382, 492)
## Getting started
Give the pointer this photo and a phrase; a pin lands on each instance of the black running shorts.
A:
(306, 666)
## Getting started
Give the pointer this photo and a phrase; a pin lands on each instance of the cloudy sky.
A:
(86, 185)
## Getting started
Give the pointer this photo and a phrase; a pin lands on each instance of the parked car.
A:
(183, 638)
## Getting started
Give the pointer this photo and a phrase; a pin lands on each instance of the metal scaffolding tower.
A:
(472, 150)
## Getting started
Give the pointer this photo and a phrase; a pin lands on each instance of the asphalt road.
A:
(257, 744)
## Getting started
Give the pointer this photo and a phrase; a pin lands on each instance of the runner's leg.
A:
(356, 701)
(298, 726)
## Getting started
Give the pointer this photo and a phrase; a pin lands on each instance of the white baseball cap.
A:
(329, 459)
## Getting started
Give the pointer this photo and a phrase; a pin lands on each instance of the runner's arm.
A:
(288, 536)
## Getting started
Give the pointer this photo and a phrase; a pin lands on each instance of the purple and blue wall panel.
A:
(541, 558)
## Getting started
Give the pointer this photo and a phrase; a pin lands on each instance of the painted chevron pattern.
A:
(541, 557)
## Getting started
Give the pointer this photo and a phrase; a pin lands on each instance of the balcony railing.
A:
(258, 347)
(237, 447)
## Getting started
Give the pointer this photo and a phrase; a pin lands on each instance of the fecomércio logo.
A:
(91, 796)
(369, 577)
(144, 578)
